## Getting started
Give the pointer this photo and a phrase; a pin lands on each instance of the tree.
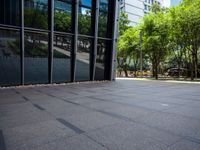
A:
(129, 47)
(122, 54)
(187, 23)
(155, 38)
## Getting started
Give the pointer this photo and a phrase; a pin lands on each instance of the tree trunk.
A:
(192, 67)
(125, 70)
(156, 71)
(179, 67)
(196, 65)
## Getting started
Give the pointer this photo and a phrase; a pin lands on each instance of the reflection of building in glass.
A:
(39, 4)
(75, 44)
(136, 9)
(63, 5)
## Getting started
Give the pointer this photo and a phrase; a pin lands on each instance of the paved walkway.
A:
(121, 115)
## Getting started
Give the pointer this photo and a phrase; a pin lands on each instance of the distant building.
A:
(136, 9)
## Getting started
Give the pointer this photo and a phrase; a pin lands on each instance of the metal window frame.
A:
(95, 40)
(22, 41)
(113, 60)
(75, 39)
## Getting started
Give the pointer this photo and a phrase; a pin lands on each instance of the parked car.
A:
(174, 72)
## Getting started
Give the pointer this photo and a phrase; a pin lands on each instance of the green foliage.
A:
(14, 46)
(123, 23)
(36, 18)
(123, 51)
(36, 49)
(168, 36)
(63, 21)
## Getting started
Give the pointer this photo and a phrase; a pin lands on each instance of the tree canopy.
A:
(167, 34)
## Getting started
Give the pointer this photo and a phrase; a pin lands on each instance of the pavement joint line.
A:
(188, 138)
(99, 143)
(71, 126)
(191, 139)
(38, 107)
(17, 92)
(62, 99)
(152, 110)
(25, 98)
(114, 115)
(131, 120)
(73, 93)
(51, 95)
(2, 141)
(77, 104)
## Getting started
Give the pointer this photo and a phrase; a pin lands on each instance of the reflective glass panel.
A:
(62, 58)
(10, 72)
(103, 18)
(63, 14)
(36, 14)
(10, 12)
(85, 3)
(83, 59)
(85, 17)
(102, 61)
(36, 58)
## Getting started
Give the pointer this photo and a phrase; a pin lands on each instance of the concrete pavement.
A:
(121, 115)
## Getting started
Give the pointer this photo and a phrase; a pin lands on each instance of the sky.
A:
(170, 3)
(175, 2)
(167, 3)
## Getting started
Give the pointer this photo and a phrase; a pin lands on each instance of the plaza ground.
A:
(121, 115)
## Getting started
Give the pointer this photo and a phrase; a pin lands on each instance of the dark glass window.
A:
(85, 17)
(10, 12)
(36, 14)
(36, 58)
(102, 61)
(86, 3)
(63, 14)
(103, 18)
(9, 57)
(62, 58)
(83, 59)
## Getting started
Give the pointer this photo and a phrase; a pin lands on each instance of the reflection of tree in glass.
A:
(101, 52)
(36, 45)
(84, 45)
(63, 43)
(84, 20)
(36, 14)
(63, 21)
(103, 24)
(14, 46)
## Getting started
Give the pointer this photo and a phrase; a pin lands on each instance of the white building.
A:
(136, 9)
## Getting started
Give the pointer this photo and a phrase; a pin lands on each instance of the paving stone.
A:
(74, 143)
(121, 115)
(173, 123)
(184, 145)
(91, 121)
(126, 135)
(129, 111)
(35, 134)
(189, 111)
(22, 119)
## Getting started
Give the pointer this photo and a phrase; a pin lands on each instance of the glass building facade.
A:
(57, 41)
